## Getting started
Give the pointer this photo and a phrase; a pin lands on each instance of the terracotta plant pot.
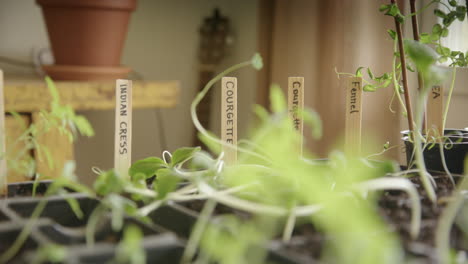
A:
(86, 33)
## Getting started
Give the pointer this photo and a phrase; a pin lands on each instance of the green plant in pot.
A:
(87, 37)
(443, 149)
(441, 152)
(444, 152)
(278, 190)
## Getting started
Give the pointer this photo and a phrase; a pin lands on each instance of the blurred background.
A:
(305, 38)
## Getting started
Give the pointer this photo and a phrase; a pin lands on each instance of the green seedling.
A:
(422, 59)
(276, 187)
(457, 206)
(65, 120)
(130, 250)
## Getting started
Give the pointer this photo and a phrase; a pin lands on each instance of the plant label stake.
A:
(434, 111)
(3, 163)
(123, 127)
(296, 105)
(353, 116)
(229, 118)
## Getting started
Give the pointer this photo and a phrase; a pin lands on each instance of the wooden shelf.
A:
(26, 94)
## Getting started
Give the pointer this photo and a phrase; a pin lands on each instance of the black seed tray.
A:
(58, 224)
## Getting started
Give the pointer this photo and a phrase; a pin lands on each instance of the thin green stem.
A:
(444, 164)
(382, 152)
(395, 80)
(447, 104)
(422, 9)
(442, 236)
(444, 4)
(21, 238)
(147, 209)
(390, 108)
(418, 146)
(141, 191)
(253, 207)
(197, 232)
(14, 249)
(199, 98)
(289, 227)
(92, 223)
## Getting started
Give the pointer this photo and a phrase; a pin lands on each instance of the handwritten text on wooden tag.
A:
(353, 115)
(229, 118)
(296, 104)
(123, 127)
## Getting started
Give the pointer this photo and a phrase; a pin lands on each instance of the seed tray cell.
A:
(57, 208)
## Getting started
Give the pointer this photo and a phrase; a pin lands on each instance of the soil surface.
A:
(395, 209)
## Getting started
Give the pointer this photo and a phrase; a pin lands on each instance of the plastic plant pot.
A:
(26, 188)
(9, 231)
(455, 150)
(57, 208)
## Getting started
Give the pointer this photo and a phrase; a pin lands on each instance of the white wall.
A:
(161, 45)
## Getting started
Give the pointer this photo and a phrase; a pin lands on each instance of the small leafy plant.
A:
(60, 117)
(64, 119)
(276, 189)
(421, 61)
(272, 183)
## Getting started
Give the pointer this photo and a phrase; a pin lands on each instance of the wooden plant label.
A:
(123, 127)
(353, 116)
(229, 118)
(296, 104)
(434, 112)
(3, 163)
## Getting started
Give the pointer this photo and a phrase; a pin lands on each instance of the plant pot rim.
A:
(127, 5)
(49, 198)
(464, 130)
(86, 73)
(405, 139)
(404, 132)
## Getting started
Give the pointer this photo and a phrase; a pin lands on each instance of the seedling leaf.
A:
(371, 75)
(359, 72)
(422, 56)
(312, 119)
(50, 253)
(147, 167)
(278, 102)
(369, 88)
(182, 154)
(440, 13)
(130, 249)
(261, 112)
(392, 34)
(436, 29)
(108, 182)
(75, 206)
(212, 145)
(166, 182)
